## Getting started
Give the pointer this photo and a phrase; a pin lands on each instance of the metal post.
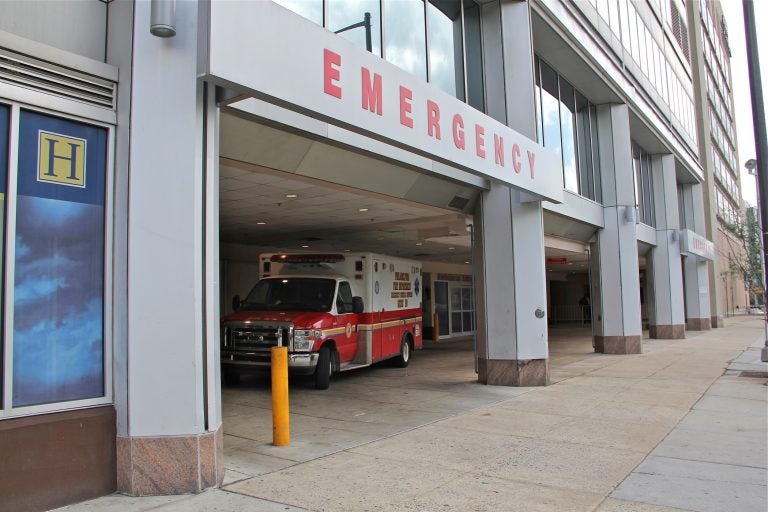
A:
(281, 425)
(761, 139)
(367, 25)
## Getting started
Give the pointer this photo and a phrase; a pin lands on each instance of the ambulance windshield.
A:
(291, 294)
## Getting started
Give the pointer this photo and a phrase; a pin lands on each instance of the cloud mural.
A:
(58, 308)
(58, 303)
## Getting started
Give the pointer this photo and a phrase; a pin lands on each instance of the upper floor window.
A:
(643, 174)
(436, 40)
(567, 123)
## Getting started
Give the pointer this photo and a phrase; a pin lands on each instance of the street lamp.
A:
(365, 23)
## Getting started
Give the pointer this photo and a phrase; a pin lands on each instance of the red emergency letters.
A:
(372, 100)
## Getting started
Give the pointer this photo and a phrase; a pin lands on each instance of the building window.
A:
(567, 123)
(436, 40)
(643, 177)
(446, 51)
(4, 141)
(57, 213)
(681, 207)
(679, 28)
(405, 42)
(310, 9)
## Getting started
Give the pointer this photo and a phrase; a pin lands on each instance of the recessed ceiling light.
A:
(304, 246)
(291, 196)
(362, 209)
(466, 262)
(346, 250)
(261, 223)
(419, 243)
(451, 248)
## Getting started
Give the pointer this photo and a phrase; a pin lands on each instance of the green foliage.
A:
(748, 261)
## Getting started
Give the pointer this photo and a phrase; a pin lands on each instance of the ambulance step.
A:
(351, 366)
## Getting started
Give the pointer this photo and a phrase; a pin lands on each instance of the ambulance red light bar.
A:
(307, 258)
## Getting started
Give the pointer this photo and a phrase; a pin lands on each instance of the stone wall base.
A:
(667, 332)
(619, 344)
(513, 372)
(153, 466)
(51, 460)
(717, 322)
(699, 324)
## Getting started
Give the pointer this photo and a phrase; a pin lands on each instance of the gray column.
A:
(666, 312)
(511, 290)
(168, 442)
(709, 227)
(618, 324)
(509, 245)
(696, 271)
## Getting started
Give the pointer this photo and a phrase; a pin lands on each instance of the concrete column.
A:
(511, 284)
(666, 307)
(509, 245)
(709, 228)
(169, 438)
(618, 324)
(696, 271)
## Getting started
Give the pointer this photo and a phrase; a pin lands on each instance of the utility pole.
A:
(761, 142)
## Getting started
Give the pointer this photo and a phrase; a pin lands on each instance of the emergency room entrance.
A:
(282, 190)
(285, 190)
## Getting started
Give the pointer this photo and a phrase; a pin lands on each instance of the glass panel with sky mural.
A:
(58, 309)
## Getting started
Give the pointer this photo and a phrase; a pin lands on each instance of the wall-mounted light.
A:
(162, 22)
(629, 214)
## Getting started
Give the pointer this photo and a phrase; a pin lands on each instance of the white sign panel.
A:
(283, 58)
(696, 245)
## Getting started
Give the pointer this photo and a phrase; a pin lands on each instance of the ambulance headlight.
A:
(304, 340)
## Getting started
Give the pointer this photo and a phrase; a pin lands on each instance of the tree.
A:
(748, 256)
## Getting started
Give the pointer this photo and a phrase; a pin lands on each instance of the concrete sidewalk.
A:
(680, 427)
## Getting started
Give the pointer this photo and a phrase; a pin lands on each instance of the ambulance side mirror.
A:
(357, 305)
(236, 302)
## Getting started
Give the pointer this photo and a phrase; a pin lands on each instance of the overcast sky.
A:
(743, 106)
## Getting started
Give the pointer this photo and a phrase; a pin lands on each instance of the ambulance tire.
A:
(402, 360)
(324, 367)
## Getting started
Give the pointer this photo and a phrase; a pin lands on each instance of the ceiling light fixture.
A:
(260, 223)
(362, 209)
(305, 247)
(419, 243)
(291, 196)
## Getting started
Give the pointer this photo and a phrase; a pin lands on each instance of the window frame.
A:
(18, 100)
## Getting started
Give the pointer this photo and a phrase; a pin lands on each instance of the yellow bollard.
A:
(281, 425)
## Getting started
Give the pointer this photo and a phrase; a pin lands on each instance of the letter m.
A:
(371, 91)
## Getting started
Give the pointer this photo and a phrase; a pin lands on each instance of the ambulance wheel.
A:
(323, 370)
(402, 360)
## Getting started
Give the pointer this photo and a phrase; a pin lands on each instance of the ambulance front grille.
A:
(255, 336)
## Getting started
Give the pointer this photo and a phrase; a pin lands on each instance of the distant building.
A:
(718, 154)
